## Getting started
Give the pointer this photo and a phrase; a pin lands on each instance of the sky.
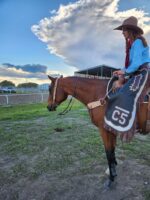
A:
(41, 37)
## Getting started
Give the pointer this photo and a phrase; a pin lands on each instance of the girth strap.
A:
(94, 104)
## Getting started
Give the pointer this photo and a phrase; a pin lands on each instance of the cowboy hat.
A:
(130, 23)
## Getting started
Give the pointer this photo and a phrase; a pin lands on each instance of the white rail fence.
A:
(14, 99)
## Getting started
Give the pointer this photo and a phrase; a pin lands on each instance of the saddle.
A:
(136, 114)
(143, 107)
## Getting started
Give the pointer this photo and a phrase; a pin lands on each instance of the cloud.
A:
(82, 33)
(22, 73)
(19, 74)
(35, 68)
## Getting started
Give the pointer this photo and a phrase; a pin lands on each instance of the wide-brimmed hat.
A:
(130, 23)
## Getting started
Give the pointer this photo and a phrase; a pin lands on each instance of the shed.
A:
(100, 71)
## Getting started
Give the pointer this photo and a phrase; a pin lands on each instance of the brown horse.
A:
(86, 91)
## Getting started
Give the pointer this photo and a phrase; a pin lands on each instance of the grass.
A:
(22, 112)
(30, 111)
(146, 194)
(29, 130)
(34, 142)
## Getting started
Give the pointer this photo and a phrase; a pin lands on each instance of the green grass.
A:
(30, 131)
(34, 142)
(137, 149)
(30, 111)
(146, 194)
(21, 112)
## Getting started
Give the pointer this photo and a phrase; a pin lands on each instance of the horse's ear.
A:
(61, 76)
(51, 78)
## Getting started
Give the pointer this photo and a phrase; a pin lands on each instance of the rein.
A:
(71, 102)
(100, 102)
(91, 105)
(67, 109)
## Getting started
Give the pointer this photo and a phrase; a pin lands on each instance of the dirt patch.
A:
(133, 183)
(59, 129)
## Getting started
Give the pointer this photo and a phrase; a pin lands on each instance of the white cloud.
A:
(23, 73)
(82, 32)
(18, 75)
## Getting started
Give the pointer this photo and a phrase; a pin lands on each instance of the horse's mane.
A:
(95, 79)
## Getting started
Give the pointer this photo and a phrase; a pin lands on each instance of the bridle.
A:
(55, 90)
(70, 104)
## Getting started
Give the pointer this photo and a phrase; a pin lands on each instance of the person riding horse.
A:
(137, 50)
(89, 91)
(127, 92)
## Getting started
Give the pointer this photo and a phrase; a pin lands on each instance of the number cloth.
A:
(122, 104)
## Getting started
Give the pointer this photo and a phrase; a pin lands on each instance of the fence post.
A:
(42, 97)
(7, 99)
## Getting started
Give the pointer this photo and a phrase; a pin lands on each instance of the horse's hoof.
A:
(109, 185)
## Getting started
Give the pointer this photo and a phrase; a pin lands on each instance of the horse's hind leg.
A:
(109, 141)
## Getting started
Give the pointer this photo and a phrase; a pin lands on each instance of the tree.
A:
(6, 83)
(28, 85)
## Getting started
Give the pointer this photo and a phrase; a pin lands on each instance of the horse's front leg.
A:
(109, 141)
(110, 154)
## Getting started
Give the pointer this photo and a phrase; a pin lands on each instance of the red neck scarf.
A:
(128, 47)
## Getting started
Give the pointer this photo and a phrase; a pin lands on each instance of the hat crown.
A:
(131, 21)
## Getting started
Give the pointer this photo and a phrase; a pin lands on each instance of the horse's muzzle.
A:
(51, 107)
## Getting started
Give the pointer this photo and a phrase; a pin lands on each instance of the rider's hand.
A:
(118, 72)
(115, 73)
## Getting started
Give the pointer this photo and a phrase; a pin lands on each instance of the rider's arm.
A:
(135, 57)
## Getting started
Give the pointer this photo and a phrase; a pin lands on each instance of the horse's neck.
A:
(85, 90)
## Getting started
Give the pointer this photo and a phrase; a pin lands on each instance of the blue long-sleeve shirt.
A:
(138, 55)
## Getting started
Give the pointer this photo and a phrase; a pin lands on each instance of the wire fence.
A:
(14, 99)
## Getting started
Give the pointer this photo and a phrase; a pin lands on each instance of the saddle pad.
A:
(121, 109)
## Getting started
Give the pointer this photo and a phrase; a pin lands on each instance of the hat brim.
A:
(138, 29)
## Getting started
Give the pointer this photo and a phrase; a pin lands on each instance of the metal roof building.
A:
(101, 71)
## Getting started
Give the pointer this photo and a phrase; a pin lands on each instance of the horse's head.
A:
(56, 93)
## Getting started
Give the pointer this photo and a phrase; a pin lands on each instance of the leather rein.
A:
(70, 104)
(91, 105)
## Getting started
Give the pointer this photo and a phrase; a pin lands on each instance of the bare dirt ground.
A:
(66, 166)
(133, 183)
